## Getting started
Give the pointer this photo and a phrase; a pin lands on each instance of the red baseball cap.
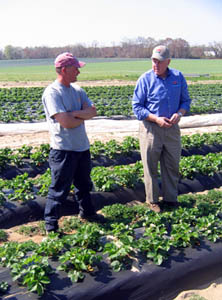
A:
(67, 59)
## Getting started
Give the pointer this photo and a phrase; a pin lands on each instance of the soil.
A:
(211, 291)
(10, 84)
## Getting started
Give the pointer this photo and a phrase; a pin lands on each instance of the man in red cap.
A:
(67, 107)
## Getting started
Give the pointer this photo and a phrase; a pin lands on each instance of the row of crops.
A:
(33, 161)
(80, 255)
(24, 104)
(117, 243)
(128, 148)
(107, 179)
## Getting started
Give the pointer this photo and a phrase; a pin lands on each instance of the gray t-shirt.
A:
(58, 98)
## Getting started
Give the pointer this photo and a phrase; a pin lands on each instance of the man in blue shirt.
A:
(160, 100)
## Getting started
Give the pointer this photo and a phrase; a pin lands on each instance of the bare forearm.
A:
(152, 118)
(84, 114)
(67, 120)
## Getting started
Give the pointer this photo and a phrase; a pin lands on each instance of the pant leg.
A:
(169, 164)
(62, 171)
(150, 137)
(83, 183)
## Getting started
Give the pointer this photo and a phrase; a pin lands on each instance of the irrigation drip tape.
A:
(13, 214)
(142, 282)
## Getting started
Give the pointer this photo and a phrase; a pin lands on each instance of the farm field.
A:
(24, 104)
(23, 237)
(22, 233)
(105, 69)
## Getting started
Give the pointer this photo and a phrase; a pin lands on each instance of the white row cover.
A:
(107, 125)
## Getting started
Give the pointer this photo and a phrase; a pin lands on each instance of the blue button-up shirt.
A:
(158, 96)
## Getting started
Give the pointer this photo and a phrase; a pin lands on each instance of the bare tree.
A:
(11, 52)
(179, 48)
(1, 54)
(197, 51)
(217, 48)
(139, 47)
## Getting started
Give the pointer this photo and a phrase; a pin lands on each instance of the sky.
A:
(32, 23)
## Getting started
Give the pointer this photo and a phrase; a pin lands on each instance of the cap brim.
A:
(160, 58)
(81, 64)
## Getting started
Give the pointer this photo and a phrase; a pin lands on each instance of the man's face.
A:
(160, 67)
(71, 73)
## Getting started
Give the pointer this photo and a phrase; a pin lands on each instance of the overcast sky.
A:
(68, 22)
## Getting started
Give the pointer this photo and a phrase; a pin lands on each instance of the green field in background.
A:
(100, 69)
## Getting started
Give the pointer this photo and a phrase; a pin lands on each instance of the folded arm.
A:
(67, 120)
(88, 112)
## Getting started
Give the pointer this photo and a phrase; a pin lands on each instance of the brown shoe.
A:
(154, 207)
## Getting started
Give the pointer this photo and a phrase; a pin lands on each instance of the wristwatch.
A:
(180, 114)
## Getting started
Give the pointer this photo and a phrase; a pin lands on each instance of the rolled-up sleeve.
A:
(139, 99)
(185, 99)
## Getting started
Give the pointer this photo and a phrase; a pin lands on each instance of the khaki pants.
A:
(160, 145)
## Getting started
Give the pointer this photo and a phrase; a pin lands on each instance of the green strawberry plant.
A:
(12, 252)
(87, 236)
(70, 224)
(116, 242)
(120, 253)
(183, 235)
(4, 286)
(32, 271)
(3, 236)
(52, 246)
(32, 230)
(78, 260)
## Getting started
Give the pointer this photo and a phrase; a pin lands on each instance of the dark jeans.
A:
(68, 167)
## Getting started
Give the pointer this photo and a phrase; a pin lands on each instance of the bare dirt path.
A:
(9, 84)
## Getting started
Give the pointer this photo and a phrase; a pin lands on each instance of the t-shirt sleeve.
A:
(84, 98)
(53, 103)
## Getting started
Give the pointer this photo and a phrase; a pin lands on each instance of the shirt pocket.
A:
(175, 91)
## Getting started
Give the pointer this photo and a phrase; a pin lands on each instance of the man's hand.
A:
(88, 112)
(175, 118)
(163, 122)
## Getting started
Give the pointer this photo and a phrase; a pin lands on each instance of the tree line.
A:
(139, 47)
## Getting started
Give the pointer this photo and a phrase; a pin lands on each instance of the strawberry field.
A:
(24, 104)
(82, 262)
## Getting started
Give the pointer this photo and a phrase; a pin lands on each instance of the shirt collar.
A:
(168, 73)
